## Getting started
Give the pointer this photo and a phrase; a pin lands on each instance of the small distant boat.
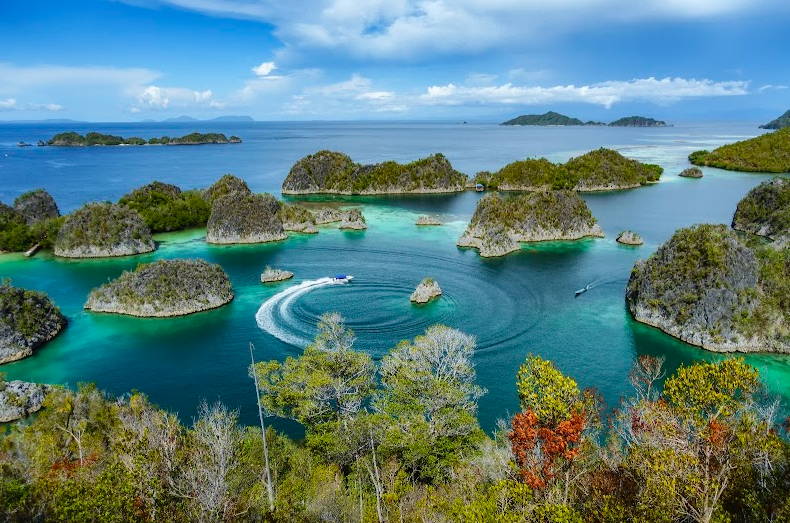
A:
(582, 291)
(480, 187)
(23, 144)
(343, 278)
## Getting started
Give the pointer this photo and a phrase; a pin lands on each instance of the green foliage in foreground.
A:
(165, 207)
(769, 153)
(706, 449)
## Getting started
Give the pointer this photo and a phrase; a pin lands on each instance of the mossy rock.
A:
(103, 230)
(691, 172)
(765, 211)
(36, 206)
(226, 185)
(164, 288)
(606, 169)
(240, 217)
(28, 319)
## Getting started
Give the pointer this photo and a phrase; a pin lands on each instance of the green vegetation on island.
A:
(335, 173)
(637, 121)
(769, 153)
(780, 123)
(240, 217)
(100, 230)
(549, 118)
(399, 441)
(34, 219)
(165, 207)
(28, 319)
(765, 211)
(708, 287)
(227, 184)
(691, 172)
(499, 223)
(73, 139)
(164, 288)
(296, 218)
(599, 170)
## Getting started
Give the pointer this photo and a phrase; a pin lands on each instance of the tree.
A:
(429, 400)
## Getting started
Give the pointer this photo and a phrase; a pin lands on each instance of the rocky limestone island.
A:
(28, 319)
(270, 275)
(780, 123)
(19, 399)
(426, 291)
(224, 186)
(629, 238)
(72, 139)
(240, 217)
(296, 218)
(499, 223)
(767, 153)
(547, 119)
(429, 220)
(765, 211)
(164, 288)
(599, 170)
(101, 230)
(691, 172)
(328, 172)
(327, 215)
(353, 220)
(706, 287)
(165, 207)
(637, 121)
(36, 206)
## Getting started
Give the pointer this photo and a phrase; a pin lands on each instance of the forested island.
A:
(329, 172)
(73, 139)
(33, 220)
(780, 123)
(599, 170)
(164, 288)
(711, 287)
(553, 118)
(500, 223)
(398, 439)
(100, 230)
(769, 153)
(28, 319)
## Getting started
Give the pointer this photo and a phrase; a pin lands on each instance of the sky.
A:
(475, 60)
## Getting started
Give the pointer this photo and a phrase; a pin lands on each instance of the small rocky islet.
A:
(244, 217)
(165, 288)
(272, 275)
(427, 290)
(19, 399)
(629, 238)
(501, 222)
(691, 172)
(429, 221)
(353, 220)
(28, 319)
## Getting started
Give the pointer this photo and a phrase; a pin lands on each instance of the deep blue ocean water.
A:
(520, 304)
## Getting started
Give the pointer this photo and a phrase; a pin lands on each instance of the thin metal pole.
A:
(263, 433)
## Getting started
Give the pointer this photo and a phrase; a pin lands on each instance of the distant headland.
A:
(780, 123)
(552, 118)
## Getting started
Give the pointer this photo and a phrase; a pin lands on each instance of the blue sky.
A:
(112, 60)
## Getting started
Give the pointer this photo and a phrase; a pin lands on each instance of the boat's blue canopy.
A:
(340, 277)
(479, 185)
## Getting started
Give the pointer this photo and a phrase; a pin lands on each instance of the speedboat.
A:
(343, 278)
(23, 144)
(581, 291)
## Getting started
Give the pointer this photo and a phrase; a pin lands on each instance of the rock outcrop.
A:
(36, 206)
(707, 288)
(629, 238)
(101, 230)
(240, 217)
(226, 185)
(296, 218)
(765, 211)
(164, 288)
(20, 398)
(28, 319)
(499, 223)
(353, 219)
(270, 275)
(691, 172)
(426, 291)
(329, 172)
(429, 220)
(327, 215)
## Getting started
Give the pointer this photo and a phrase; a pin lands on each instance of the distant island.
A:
(73, 139)
(637, 121)
(553, 118)
(769, 153)
(780, 123)
(330, 172)
(189, 119)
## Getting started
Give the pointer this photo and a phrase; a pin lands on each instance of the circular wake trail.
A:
(280, 304)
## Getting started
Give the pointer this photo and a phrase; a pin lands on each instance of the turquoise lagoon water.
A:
(520, 304)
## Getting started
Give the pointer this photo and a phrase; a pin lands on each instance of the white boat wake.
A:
(281, 303)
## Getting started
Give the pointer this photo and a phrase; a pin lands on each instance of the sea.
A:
(517, 305)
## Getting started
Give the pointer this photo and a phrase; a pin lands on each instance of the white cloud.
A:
(770, 87)
(11, 104)
(407, 29)
(21, 78)
(660, 91)
(154, 97)
(264, 69)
